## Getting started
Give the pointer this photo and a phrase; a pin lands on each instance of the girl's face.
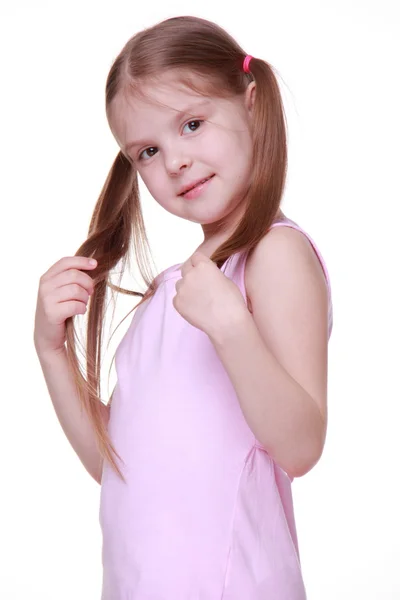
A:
(176, 138)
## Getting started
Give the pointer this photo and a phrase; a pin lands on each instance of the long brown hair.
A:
(199, 51)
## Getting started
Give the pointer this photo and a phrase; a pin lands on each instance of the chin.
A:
(208, 219)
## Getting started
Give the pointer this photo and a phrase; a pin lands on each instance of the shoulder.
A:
(285, 260)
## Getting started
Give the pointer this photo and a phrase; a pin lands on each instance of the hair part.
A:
(209, 61)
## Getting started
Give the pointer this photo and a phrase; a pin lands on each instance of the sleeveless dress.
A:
(205, 514)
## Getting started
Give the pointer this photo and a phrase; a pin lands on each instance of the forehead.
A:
(135, 108)
(164, 94)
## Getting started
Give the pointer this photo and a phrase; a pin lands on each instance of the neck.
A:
(209, 245)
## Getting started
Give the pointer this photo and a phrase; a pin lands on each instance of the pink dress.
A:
(205, 514)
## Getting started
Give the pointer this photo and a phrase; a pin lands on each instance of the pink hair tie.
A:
(246, 63)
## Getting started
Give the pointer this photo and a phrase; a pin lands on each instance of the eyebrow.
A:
(188, 110)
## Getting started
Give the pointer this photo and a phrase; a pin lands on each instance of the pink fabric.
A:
(206, 514)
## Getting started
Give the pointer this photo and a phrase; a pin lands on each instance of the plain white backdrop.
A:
(338, 63)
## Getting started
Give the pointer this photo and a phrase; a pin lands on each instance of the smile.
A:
(196, 189)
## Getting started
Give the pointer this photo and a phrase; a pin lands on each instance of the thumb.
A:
(199, 257)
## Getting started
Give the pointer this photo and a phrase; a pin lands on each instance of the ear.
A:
(250, 96)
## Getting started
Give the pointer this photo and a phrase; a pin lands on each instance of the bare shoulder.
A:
(288, 298)
(278, 257)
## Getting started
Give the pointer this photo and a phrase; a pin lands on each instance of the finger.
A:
(70, 292)
(70, 276)
(68, 262)
(199, 257)
(187, 266)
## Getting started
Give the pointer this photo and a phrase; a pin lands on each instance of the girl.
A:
(221, 394)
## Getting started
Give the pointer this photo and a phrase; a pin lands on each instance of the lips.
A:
(192, 185)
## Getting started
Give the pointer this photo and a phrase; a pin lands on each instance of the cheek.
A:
(158, 188)
(153, 181)
(228, 149)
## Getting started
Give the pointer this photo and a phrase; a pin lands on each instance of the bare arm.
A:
(72, 416)
(277, 357)
(64, 291)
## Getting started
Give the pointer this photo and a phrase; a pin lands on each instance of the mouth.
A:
(192, 187)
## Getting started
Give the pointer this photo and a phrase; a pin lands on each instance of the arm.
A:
(277, 357)
(73, 419)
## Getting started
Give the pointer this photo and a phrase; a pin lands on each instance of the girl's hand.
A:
(64, 291)
(205, 297)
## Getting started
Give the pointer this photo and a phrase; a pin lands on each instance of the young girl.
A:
(221, 394)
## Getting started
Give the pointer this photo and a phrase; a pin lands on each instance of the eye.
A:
(194, 122)
(152, 151)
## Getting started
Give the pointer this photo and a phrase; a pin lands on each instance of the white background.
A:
(339, 67)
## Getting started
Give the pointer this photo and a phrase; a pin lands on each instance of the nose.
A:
(176, 160)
